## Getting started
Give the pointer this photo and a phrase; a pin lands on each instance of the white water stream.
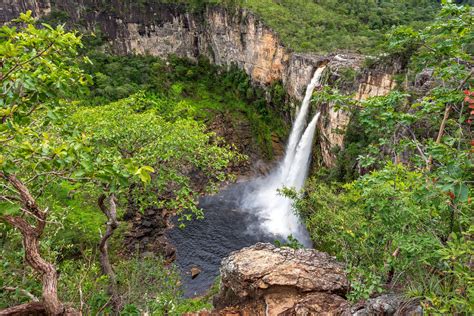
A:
(274, 210)
(248, 212)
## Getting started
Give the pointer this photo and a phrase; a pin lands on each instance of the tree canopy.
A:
(398, 207)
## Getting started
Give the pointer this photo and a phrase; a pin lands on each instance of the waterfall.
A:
(299, 168)
(299, 123)
(274, 210)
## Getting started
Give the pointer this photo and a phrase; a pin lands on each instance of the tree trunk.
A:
(33, 308)
(31, 239)
(447, 112)
(112, 224)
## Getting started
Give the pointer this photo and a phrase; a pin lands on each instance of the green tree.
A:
(114, 153)
(139, 156)
(407, 219)
(39, 67)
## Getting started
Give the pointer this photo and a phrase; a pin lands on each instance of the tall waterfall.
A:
(299, 123)
(275, 210)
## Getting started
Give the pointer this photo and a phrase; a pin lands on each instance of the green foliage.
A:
(405, 221)
(14, 271)
(64, 243)
(146, 285)
(291, 242)
(82, 222)
(164, 155)
(328, 25)
(404, 217)
(364, 284)
(40, 67)
(181, 88)
(66, 155)
(387, 212)
(455, 257)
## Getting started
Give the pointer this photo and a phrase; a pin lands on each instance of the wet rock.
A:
(146, 223)
(146, 234)
(278, 146)
(195, 271)
(266, 280)
(150, 212)
(384, 304)
(423, 78)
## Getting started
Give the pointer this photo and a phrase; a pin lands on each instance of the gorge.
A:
(197, 158)
(225, 37)
(251, 211)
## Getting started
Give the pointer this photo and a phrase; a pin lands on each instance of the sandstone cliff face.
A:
(224, 36)
(375, 81)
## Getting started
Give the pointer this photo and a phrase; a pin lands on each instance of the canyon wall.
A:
(222, 35)
(10, 9)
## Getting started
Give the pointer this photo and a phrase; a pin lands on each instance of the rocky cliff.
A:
(224, 36)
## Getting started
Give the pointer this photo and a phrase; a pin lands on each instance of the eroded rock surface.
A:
(266, 280)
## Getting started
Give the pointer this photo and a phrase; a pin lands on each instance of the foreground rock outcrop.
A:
(263, 280)
(266, 280)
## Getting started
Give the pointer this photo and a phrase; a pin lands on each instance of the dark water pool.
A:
(204, 243)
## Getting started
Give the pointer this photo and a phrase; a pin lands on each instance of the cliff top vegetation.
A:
(327, 25)
(318, 26)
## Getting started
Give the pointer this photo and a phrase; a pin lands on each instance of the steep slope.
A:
(224, 36)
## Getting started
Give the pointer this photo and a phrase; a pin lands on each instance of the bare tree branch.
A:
(32, 308)
(112, 224)
(31, 243)
(22, 291)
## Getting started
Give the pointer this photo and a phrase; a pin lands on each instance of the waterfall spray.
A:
(275, 210)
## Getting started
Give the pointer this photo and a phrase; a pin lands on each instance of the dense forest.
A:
(90, 139)
(327, 25)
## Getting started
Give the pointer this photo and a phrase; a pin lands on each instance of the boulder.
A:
(266, 280)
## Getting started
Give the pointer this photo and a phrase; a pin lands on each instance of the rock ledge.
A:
(266, 280)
